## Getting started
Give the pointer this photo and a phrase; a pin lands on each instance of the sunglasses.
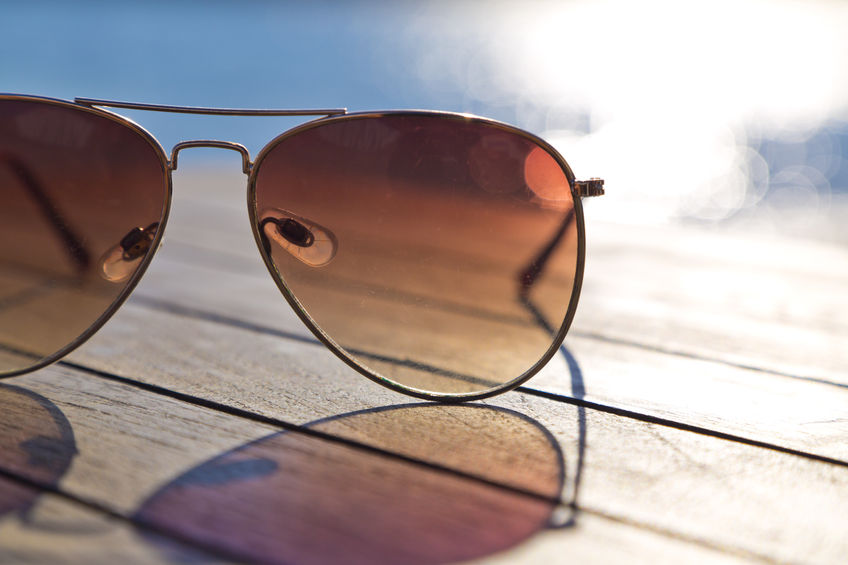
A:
(440, 255)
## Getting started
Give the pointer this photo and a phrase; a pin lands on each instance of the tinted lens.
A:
(82, 198)
(439, 252)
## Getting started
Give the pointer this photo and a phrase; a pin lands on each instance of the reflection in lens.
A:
(73, 185)
(435, 218)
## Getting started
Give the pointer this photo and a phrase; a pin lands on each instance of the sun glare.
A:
(667, 100)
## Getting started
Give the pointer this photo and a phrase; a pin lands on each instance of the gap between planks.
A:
(173, 308)
(112, 512)
(725, 390)
(590, 509)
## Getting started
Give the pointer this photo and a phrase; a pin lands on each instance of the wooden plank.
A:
(38, 527)
(769, 303)
(61, 532)
(300, 383)
(253, 491)
(721, 493)
(751, 318)
(39, 443)
(755, 404)
(611, 542)
(709, 394)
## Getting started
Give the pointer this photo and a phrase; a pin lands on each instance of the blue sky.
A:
(713, 93)
(243, 54)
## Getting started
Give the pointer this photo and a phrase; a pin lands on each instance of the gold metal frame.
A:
(591, 187)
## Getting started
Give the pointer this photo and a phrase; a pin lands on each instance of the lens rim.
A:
(338, 350)
(130, 285)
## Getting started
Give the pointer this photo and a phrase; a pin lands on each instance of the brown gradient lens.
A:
(439, 252)
(82, 198)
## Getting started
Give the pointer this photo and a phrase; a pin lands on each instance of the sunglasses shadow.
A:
(36, 442)
(292, 498)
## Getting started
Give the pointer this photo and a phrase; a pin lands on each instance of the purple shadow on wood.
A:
(36, 442)
(291, 498)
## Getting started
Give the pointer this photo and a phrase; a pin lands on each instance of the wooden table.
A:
(703, 416)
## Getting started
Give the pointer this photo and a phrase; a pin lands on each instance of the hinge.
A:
(591, 187)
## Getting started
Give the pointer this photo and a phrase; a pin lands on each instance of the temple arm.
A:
(528, 275)
(72, 242)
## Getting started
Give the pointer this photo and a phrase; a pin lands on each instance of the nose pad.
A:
(307, 241)
(120, 261)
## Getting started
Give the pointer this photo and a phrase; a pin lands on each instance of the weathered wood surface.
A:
(712, 389)
(250, 490)
(58, 530)
(209, 424)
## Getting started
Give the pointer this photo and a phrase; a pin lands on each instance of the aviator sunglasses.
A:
(438, 254)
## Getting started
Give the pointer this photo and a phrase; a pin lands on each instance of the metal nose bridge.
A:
(246, 165)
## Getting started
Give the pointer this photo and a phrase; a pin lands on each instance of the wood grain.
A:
(769, 303)
(57, 530)
(697, 486)
(254, 492)
(700, 392)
